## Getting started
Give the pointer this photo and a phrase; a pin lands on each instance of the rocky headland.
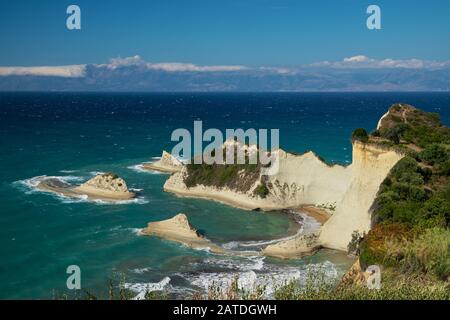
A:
(344, 193)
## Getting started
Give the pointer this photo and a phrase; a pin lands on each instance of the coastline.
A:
(319, 214)
(56, 186)
(296, 244)
(223, 196)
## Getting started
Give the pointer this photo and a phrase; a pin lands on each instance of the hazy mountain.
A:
(134, 74)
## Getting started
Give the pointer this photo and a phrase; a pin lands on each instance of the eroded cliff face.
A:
(305, 180)
(370, 166)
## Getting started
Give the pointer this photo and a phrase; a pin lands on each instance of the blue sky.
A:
(221, 32)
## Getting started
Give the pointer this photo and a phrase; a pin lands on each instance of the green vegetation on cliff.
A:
(411, 213)
(240, 177)
(360, 134)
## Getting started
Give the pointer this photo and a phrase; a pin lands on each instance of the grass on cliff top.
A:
(240, 177)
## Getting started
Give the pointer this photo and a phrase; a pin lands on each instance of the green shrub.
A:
(262, 190)
(426, 173)
(437, 211)
(405, 165)
(444, 169)
(393, 135)
(360, 134)
(435, 154)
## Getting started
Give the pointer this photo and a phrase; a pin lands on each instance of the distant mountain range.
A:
(358, 73)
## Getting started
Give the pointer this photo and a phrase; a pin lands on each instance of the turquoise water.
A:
(74, 136)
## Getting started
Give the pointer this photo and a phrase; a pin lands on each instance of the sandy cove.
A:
(301, 244)
(178, 229)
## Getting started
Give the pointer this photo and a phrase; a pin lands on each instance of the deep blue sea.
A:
(73, 136)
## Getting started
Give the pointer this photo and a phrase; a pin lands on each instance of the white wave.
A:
(205, 249)
(271, 279)
(96, 173)
(138, 200)
(67, 171)
(244, 264)
(309, 224)
(230, 245)
(30, 185)
(136, 231)
(141, 270)
(139, 168)
(143, 288)
(136, 190)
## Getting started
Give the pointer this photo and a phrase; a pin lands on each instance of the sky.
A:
(221, 32)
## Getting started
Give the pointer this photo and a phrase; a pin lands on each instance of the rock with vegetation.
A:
(360, 134)
(411, 213)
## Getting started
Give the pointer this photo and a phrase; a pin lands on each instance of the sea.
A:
(74, 136)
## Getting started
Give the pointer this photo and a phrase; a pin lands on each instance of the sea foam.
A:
(143, 288)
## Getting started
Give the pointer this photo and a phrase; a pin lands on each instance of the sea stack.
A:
(168, 163)
(179, 229)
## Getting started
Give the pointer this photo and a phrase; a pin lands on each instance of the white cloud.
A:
(124, 62)
(169, 66)
(357, 59)
(73, 71)
(361, 61)
(353, 62)
(182, 67)
(279, 70)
